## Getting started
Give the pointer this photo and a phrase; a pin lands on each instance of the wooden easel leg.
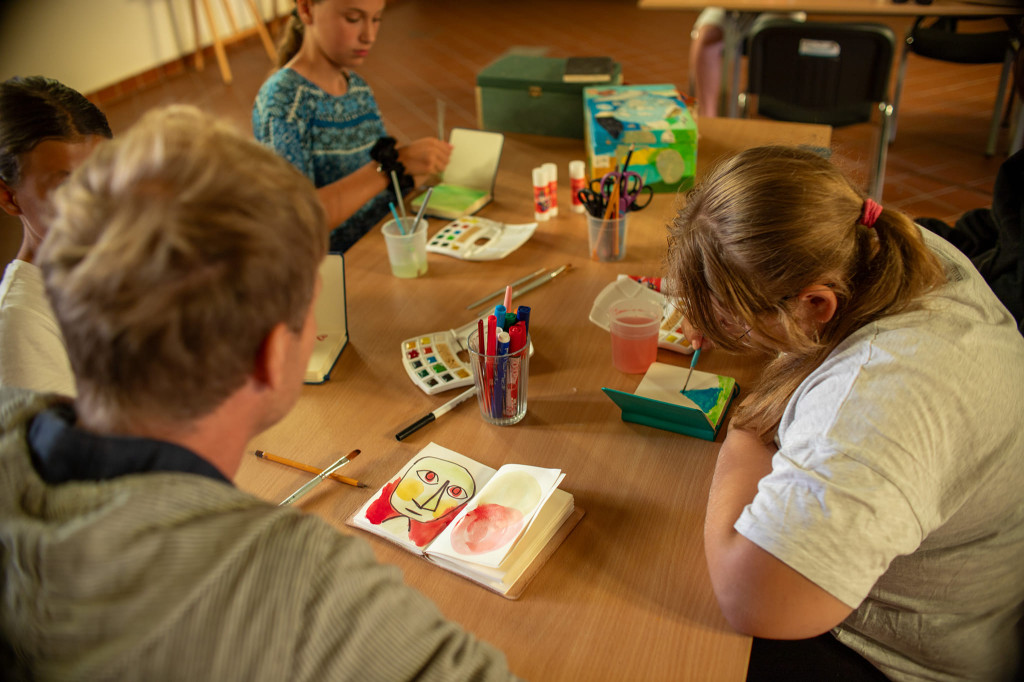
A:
(200, 63)
(261, 28)
(231, 15)
(218, 45)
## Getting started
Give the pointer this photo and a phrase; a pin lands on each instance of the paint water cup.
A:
(607, 238)
(501, 382)
(407, 252)
(634, 327)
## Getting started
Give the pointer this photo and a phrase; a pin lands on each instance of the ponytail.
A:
(766, 224)
(291, 40)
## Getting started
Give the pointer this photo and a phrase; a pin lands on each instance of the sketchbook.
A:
(660, 402)
(494, 527)
(588, 70)
(467, 184)
(331, 321)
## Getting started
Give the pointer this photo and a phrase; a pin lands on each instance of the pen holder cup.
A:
(501, 382)
(407, 247)
(607, 238)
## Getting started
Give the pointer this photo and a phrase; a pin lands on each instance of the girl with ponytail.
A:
(866, 498)
(320, 115)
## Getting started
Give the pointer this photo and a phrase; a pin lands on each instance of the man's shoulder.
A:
(19, 405)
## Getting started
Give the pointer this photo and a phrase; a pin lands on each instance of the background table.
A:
(865, 7)
(627, 596)
(733, 42)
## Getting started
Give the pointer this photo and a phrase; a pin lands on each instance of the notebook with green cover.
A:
(467, 184)
(660, 402)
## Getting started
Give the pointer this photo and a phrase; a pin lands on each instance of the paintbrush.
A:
(311, 469)
(693, 363)
(318, 478)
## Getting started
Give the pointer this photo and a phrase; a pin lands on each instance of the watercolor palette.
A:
(433, 363)
(480, 239)
(670, 335)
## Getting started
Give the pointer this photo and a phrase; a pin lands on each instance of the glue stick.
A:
(577, 181)
(541, 202)
(551, 170)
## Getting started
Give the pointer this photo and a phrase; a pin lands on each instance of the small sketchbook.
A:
(670, 334)
(331, 320)
(494, 527)
(467, 184)
(660, 402)
(479, 239)
(588, 70)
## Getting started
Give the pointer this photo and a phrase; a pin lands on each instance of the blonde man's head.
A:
(175, 250)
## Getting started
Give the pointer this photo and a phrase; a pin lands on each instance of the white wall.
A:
(92, 44)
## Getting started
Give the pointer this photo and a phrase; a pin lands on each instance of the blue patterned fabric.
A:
(324, 136)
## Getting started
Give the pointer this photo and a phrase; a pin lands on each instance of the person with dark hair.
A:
(322, 117)
(46, 130)
(866, 502)
(993, 238)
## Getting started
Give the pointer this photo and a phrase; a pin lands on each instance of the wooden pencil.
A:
(311, 469)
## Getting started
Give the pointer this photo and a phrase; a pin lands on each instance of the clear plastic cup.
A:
(407, 252)
(634, 325)
(607, 238)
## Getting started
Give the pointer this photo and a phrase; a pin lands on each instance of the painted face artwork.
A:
(431, 489)
(424, 500)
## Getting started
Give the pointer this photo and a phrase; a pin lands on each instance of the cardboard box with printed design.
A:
(655, 120)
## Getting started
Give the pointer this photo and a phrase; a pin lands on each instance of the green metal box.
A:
(526, 94)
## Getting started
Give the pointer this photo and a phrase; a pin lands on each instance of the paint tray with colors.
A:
(439, 361)
(670, 335)
(479, 239)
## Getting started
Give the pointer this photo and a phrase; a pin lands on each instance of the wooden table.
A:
(733, 41)
(627, 595)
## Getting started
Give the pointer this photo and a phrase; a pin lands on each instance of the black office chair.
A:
(823, 72)
(941, 40)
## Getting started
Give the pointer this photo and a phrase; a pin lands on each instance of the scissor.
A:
(595, 197)
(631, 186)
(594, 202)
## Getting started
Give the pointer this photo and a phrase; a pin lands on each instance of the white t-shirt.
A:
(898, 486)
(32, 350)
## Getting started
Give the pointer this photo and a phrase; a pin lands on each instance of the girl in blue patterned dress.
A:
(323, 118)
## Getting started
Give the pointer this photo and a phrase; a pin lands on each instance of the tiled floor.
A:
(430, 49)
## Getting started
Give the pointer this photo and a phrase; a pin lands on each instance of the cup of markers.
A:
(500, 361)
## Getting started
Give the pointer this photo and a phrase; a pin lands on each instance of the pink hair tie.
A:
(869, 213)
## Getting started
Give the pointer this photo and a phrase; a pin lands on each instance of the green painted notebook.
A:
(660, 402)
(468, 182)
